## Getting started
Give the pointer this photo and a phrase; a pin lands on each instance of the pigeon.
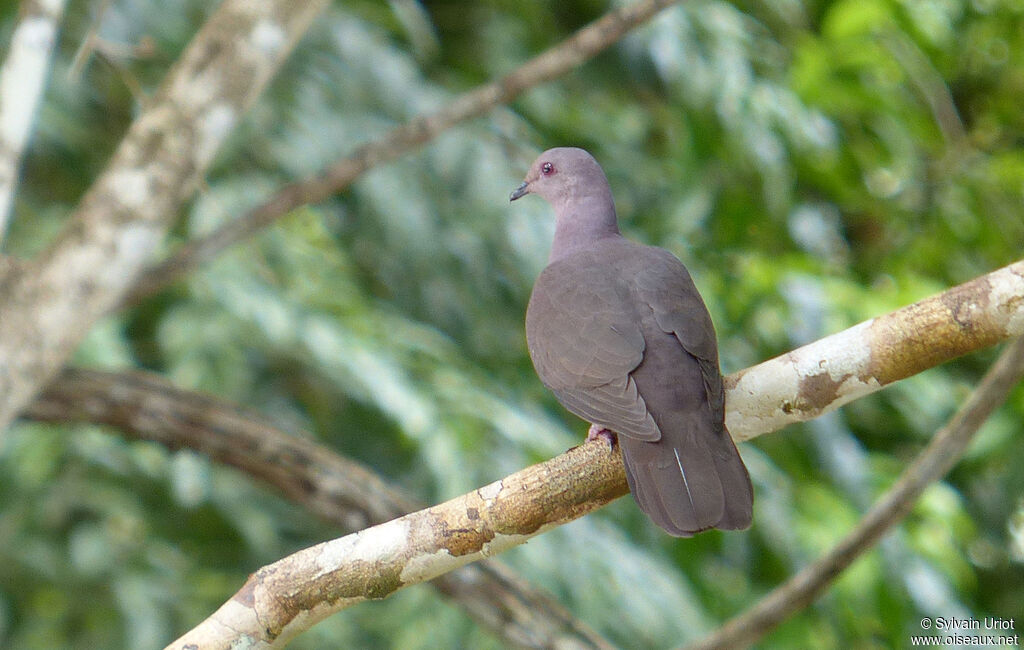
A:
(618, 332)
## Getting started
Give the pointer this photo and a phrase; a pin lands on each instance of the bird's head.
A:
(562, 175)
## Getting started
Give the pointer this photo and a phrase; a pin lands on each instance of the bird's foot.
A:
(600, 433)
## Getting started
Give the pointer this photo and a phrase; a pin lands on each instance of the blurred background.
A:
(814, 164)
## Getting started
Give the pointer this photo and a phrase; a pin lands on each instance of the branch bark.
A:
(554, 62)
(22, 79)
(822, 376)
(50, 303)
(292, 594)
(938, 457)
(147, 407)
(289, 596)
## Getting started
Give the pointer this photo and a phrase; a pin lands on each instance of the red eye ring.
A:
(547, 168)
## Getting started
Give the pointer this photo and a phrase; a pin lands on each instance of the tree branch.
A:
(50, 303)
(877, 352)
(289, 596)
(22, 78)
(938, 457)
(292, 594)
(549, 65)
(147, 407)
(822, 376)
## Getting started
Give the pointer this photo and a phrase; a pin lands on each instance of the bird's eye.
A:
(547, 168)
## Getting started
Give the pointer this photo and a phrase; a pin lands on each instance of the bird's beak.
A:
(520, 191)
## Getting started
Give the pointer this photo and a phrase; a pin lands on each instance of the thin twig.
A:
(89, 41)
(558, 60)
(938, 457)
(929, 84)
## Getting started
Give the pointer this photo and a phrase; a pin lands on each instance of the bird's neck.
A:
(581, 223)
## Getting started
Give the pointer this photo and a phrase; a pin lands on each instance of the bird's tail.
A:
(688, 483)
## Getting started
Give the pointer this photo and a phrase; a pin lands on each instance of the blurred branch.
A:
(89, 41)
(146, 407)
(549, 65)
(111, 53)
(930, 84)
(282, 599)
(938, 457)
(22, 78)
(51, 302)
(822, 376)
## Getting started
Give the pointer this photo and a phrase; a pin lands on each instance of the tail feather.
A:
(738, 492)
(685, 487)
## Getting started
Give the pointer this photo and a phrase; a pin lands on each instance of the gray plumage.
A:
(619, 333)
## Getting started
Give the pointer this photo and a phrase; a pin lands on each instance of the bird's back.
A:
(619, 317)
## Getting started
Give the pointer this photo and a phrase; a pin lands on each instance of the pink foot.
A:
(600, 433)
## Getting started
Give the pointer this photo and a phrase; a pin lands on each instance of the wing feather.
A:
(584, 340)
(666, 286)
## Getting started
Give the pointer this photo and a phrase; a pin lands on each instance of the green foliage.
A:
(800, 157)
